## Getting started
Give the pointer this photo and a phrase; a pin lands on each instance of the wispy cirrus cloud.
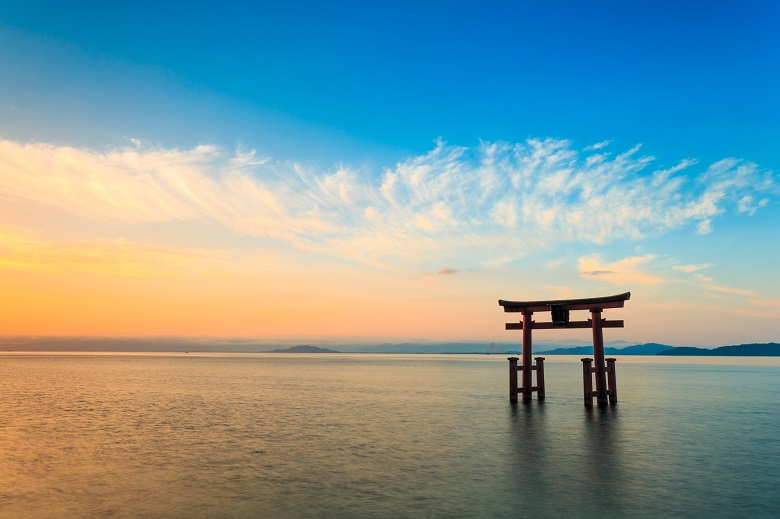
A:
(22, 250)
(625, 272)
(553, 263)
(751, 298)
(495, 202)
(597, 146)
(731, 290)
(763, 308)
(691, 268)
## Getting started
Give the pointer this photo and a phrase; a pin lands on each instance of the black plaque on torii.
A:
(604, 369)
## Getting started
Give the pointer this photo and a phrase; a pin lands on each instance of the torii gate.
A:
(560, 319)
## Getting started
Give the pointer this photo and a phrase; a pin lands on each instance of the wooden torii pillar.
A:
(604, 369)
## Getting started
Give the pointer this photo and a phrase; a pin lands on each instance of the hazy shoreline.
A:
(163, 345)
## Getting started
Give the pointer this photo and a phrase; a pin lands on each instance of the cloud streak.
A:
(20, 250)
(733, 291)
(691, 268)
(625, 272)
(495, 202)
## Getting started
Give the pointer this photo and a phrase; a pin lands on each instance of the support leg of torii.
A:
(512, 380)
(612, 379)
(527, 359)
(587, 381)
(539, 377)
(598, 358)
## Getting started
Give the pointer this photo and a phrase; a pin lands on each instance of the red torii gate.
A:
(559, 309)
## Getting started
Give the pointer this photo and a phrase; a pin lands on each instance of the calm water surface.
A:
(381, 436)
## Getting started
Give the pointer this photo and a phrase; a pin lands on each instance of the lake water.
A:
(382, 436)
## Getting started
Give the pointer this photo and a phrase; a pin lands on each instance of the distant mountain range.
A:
(771, 349)
(651, 348)
(304, 348)
(190, 344)
(743, 350)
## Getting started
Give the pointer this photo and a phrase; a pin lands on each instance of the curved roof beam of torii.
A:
(615, 301)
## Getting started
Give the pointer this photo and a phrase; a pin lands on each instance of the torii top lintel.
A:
(590, 303)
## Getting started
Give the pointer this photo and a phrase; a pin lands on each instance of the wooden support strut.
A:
(571, 324)
(515, 368)
(587, 378)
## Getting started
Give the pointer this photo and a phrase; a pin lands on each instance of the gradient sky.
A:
(388, 172)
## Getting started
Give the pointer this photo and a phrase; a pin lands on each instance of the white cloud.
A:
(625, 272)
(765, 308)
(747, 205)
(707, 282)
(691, 268)
(597, 146)
(729, 290)
(704, 227)
(553, 264)
(495, 202)
(21, 249)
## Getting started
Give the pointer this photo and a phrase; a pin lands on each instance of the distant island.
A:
(771, 349)
(650, 348)
(303, 348)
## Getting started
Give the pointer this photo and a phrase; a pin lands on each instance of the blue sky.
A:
(574, 148)
(677, 77)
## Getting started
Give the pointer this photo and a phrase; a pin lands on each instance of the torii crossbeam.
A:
(559, 309)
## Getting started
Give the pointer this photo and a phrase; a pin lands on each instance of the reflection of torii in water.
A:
(560, 309)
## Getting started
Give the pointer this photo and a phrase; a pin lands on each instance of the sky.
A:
(375, 172)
